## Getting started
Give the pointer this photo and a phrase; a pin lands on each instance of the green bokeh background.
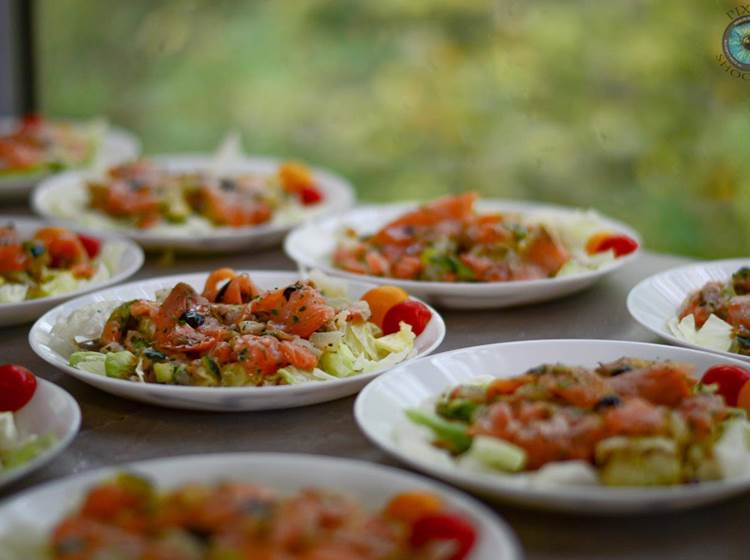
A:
(620, 105)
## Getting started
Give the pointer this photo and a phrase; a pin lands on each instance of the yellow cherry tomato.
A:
(410, 506)
(381, 299)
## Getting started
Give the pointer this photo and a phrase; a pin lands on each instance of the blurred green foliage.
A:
(619, 105)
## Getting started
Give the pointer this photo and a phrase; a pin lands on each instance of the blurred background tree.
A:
(619, 105)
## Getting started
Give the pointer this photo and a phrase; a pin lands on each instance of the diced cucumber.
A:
(458, 409)
(175, 207)
(498, 454)
(234, 375)
(120, 364)
(182, 377)
(455, 434)
(164, 372)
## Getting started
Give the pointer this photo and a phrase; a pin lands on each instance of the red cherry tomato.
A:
(17, 386)
(620, 244)
(92, 245)
(411, 312)
(730, 380)
(31, 120)
(310, 195)
(444, 527)
(12, 258)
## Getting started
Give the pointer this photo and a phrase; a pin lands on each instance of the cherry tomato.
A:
(730, 380)
(12, 258)
(411, 506)
(444, 527)
(92, 245)
(310, 195)
(295, 177)
(17, 386)
(65, 248)
(411, 312)
(620, 244)
(31, 120)
(381, 299)
(743, 398)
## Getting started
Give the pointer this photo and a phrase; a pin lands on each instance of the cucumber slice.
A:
(498, 454)
(120, 364)
(454, 434)
(164, 372)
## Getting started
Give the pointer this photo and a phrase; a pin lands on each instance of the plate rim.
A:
(50, 357)
(468, 289)
(57, 447)
(343, 190)
(111, 237)
(641, 288)
(494, 526)
(598, 501)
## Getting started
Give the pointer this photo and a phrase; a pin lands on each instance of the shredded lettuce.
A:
(733, 449)
(8, 431)
(60, 282)
(16, 449)
(329, 286)
(13, 293)
(360, 351)
(355, 349)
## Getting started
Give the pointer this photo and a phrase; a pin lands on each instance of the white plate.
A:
(656, 299)
(25, 311)
(379, 410)
(215, 398)
(311, 246)
(50, 410)
(118, 146)
(338, 197)
(30, 516)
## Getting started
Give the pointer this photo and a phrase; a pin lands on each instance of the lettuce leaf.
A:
(715, 334)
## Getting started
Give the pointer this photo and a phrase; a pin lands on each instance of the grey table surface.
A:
(116, 431)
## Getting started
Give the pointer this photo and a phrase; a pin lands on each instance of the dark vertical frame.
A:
(26, 71)
(18, 84)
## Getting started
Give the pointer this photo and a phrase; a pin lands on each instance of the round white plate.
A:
(29, 517)
(118, 146)
(311, 246)
(228, 399)
(71, 189)
(379, 410)
(50, 411)
(656, 299)
(25, 311)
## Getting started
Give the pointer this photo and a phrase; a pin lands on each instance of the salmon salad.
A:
(144, 194)
(51, 262)
(449, 240)
(40, 145)
(129, 519)
(630, 422)
(231, 333)
(717, 316)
